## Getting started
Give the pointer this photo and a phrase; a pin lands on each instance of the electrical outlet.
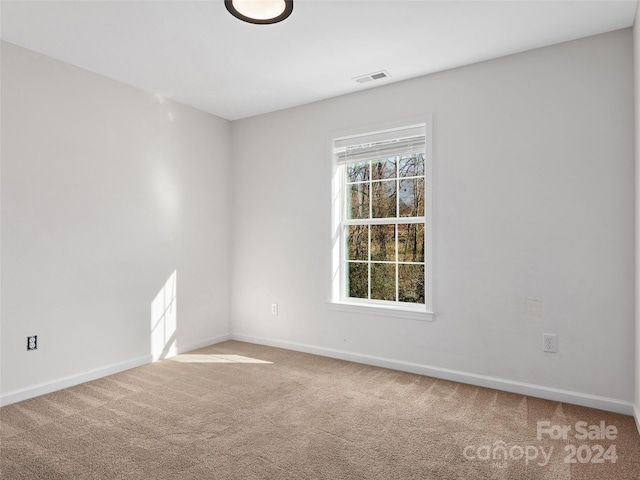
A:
(549, 342)
(32, 342)
(274, 309)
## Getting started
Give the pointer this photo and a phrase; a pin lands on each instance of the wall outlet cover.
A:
(549, 342)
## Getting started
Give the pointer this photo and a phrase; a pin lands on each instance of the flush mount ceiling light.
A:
(260, 11)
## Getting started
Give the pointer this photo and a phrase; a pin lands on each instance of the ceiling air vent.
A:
(372, 76)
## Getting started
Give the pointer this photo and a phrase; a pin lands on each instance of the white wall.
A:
(534, 198)
(106, 190)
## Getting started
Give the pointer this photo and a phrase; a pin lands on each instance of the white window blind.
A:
(380, 145)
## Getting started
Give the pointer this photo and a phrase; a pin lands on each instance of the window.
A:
(382, 220)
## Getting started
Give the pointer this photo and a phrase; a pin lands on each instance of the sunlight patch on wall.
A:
(207, 358)
(164, 320)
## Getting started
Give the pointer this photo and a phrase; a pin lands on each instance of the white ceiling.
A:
(196, 53)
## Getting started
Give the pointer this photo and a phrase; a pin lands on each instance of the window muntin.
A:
(382, 225)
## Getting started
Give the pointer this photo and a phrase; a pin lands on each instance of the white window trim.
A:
(424, 312)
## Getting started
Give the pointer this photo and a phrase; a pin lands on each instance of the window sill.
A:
(382, 310)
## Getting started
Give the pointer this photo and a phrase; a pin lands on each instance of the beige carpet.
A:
(219, 414)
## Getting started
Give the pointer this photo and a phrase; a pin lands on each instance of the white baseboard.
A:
(70, 381)
(204, 343)
(65, 382)
(636, 415)
(548, 393)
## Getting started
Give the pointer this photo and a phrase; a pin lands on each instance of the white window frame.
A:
(338, 296)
